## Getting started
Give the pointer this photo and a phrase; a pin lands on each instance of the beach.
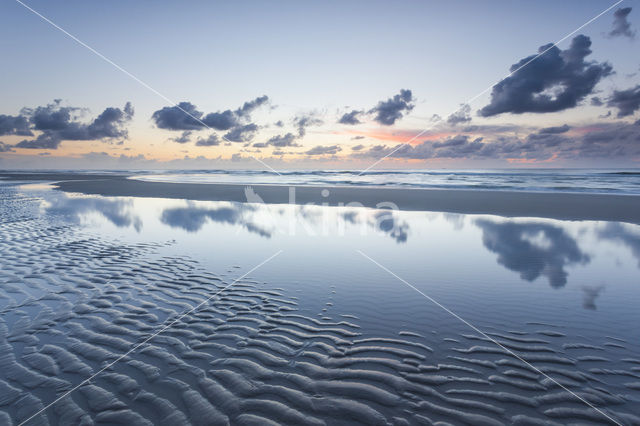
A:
(556, 205)
(186, 301)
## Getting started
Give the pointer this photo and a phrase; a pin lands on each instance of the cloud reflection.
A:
(116, 211)
(532, 249)
(615, 231)
(266, 220)
(589, 296)
(193, 218)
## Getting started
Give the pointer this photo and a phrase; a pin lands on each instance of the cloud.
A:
(622, 27)
(389, 111)
(224, 120)
(601, 140)
(357, 147)
(463, 115)
(596, 101)
(350, 118)
(324, 150)
(59, 123)
(611, 140)
(185, 116)
(212, 140)
(282, 140)
(304, 121)
(248, 107)
(555, 130)
(239, 158)
(43, 141)
(289, 139)
(185, 137)
(14, 125)
(555, 81)
(244, 133)
(5, 148)
(627, 101)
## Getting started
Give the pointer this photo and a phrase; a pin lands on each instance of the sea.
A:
(617, 181)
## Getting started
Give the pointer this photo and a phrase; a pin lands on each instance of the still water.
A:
(359, 316)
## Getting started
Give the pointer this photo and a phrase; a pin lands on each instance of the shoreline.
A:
(553, 205)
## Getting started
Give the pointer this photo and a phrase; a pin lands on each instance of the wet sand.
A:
(565, 206)
(73, 301)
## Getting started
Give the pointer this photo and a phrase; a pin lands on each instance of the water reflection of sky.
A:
(481, 263)
(561, 294)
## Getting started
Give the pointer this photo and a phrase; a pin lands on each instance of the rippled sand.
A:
(72, 302)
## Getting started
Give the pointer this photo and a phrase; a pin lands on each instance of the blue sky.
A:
(317, 60)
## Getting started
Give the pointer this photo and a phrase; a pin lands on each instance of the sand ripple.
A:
(72, 302)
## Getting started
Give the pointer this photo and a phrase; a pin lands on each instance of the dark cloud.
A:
(224, 120)
(289, 139)
(185, 116)
(178, 117)
(532, 249)
(627, 101)
(357, 138)
(283, 140)
(350, 118)
(357, 148)
(536, 143)
(610, 140)
(212, 140)
(5, 148)
(463, 115)
(324, 150)
(621, 26)
(555, 81)
(43, 141)
(244, 133)
(14, 125)
(555, 130)
(596, 101)
(248, 107)
(185, 137)
(58, 123)
(617, 140)
(304, 121)
(492, 128)
(389, 111)
(238, 158)
(459, 146)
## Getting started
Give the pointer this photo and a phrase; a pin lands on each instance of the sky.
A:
(323, 85)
